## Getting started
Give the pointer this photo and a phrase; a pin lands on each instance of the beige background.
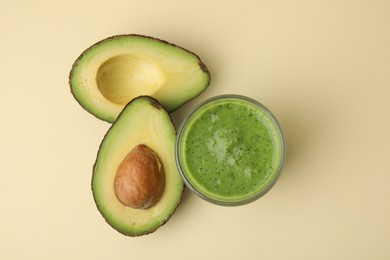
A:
(321, 66)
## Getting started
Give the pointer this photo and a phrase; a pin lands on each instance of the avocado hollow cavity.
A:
(139, 181)
(123, 77)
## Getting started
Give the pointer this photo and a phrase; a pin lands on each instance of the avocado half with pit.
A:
(110, 73)
(135, 183)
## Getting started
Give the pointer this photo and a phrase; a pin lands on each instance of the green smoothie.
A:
(230, 150)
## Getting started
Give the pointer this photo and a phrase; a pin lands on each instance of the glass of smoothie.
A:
(230, 150)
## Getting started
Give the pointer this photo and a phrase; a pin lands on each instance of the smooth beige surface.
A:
(322, 67)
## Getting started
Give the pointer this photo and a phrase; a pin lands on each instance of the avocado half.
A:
(143, 121)
(110, 73)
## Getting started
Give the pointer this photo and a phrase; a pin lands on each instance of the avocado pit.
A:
(139, 181)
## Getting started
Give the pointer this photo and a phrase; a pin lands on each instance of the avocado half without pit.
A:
(135, 183)
(110, 73)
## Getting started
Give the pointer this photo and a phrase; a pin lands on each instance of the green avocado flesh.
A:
(143, 121)
(110, 73)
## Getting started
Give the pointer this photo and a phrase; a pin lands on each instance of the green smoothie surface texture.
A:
(230, 149)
